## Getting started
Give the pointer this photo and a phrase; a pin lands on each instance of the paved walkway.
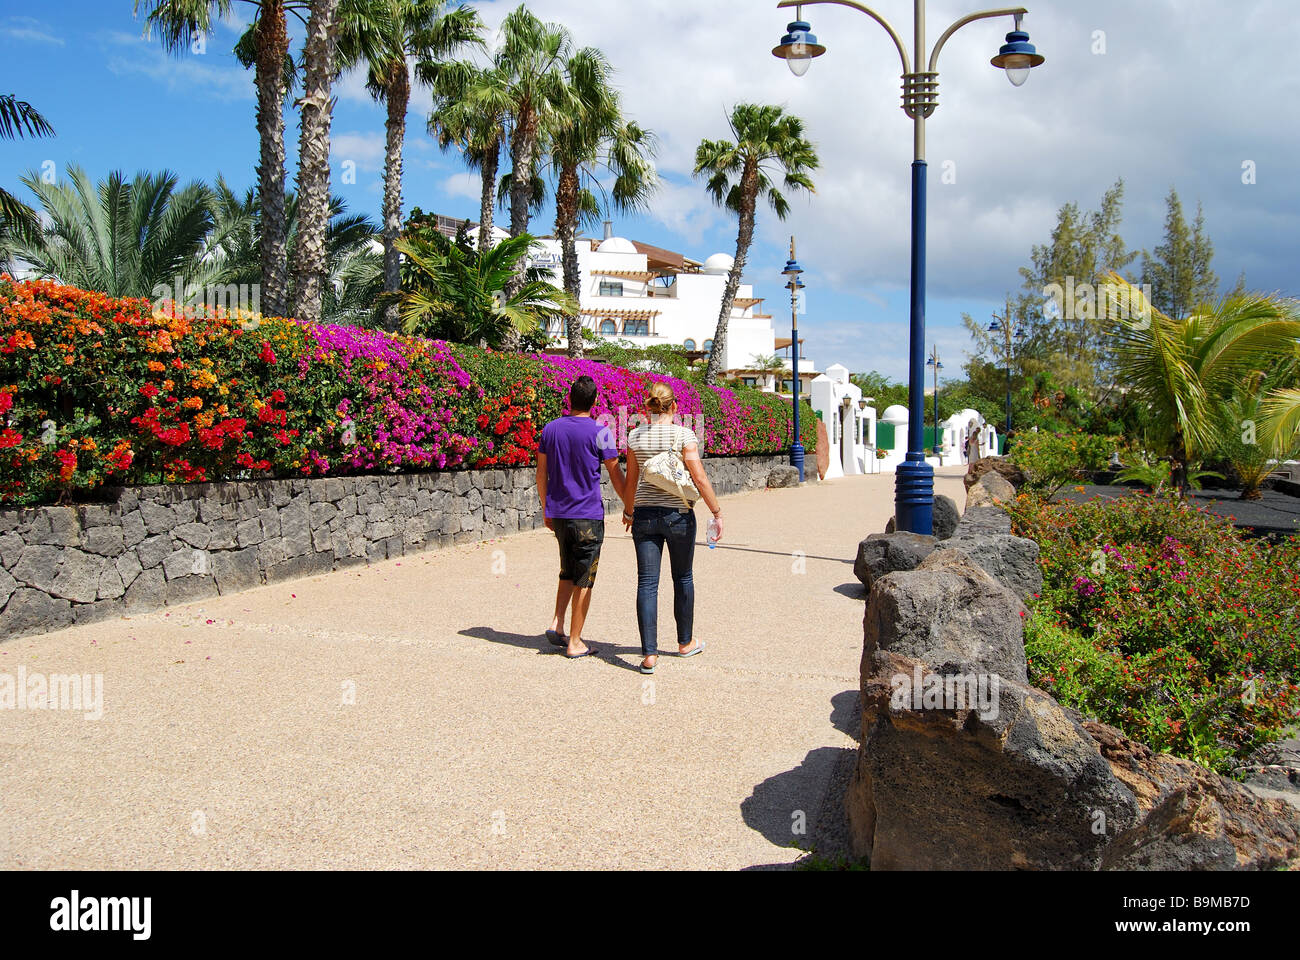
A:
(410, 715)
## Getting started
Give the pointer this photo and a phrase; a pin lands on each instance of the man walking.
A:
(572, 449)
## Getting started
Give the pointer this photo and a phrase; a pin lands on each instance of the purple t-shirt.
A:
(575, 448)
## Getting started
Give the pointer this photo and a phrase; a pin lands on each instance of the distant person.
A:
(658, 518)
(972, 446)
(571, 452)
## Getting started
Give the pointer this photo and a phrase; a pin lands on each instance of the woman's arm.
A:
(629, 487)
(695, 466)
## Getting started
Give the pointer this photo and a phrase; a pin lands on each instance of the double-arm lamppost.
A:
(792, 271)
(934, 364)
(1014, 335)
(914, 483)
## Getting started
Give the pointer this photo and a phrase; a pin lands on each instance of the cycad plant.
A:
(126, 238)
(768, 147)
(1183, 369)
(451, 291)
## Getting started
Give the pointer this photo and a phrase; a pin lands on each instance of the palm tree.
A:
(18, 118)
(453, 292)
(591, 135)
(533, 56)
(1182, 369)
(766, 142)
(470, 108)
(423, 29)
(180, 22)
(123, 238)
(320, 64)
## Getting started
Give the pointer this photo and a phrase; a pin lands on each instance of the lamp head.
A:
(1018, 56)
(798, 47)
(792, 269)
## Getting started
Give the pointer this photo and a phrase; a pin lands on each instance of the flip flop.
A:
(590, 651)
(699, 648)
(648, 670)
(557, 639)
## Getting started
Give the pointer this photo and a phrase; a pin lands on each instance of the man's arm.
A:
(541, 486)
(616, 478)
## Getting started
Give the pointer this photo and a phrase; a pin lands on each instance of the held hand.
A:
(627, 521)
(718, 521)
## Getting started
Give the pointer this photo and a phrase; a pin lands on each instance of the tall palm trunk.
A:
(398, 97)
(488, 198)
(522, 148)
(566, 224)
(314, 159)
(272, 48)
(744, 239)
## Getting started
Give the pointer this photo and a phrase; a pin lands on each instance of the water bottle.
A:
(711, 534)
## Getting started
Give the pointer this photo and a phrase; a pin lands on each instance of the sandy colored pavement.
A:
(228, 739)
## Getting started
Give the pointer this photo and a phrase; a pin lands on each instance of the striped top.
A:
(649, 440)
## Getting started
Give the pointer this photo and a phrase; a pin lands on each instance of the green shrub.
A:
(1051, 460)
(1164, 621)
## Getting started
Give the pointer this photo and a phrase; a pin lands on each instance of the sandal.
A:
(699, 648)
(557, 639)
(648, 670)
(589, 652)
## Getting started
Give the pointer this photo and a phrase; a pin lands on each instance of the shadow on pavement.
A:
(854, 591)
(803, 807)
(846, 713)
(539, 643)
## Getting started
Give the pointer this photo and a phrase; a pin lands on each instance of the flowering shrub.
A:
(1164, 621)
(97, 390)
(1051, 460)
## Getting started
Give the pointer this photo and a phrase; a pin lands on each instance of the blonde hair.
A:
(660, 398)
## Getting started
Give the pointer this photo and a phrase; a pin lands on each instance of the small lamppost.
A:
(1014, 335)
(792, 270)
(935, 365)
(914, 480)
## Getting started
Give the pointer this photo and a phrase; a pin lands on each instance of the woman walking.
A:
(660, 518)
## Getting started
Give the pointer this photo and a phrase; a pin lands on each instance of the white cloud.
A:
(466, 186)
(187, 73)
(29, 30)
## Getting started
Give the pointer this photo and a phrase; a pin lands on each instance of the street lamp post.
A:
(934, 363)
(792, 271)
(914, 481)
(1010, 331)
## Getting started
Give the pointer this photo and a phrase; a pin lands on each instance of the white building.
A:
(850, 423)
(647, 295)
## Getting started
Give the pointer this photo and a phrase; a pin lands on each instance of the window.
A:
(787, 386)
(689, 344)
(636, 328)
(611, 288)
(749, 381)
(708, 346)
(608, 328)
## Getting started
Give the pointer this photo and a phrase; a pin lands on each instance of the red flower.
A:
(6, 403)
(150, 391)
(10, 438)
(267, 355)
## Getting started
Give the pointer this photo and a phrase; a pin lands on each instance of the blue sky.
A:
(1173, 93)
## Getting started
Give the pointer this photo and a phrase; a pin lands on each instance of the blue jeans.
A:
(652, 527)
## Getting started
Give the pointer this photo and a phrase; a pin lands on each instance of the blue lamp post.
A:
(914, 482)
(936, 366)
(792, 271)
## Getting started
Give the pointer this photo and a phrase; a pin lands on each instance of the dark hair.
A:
(582, 395)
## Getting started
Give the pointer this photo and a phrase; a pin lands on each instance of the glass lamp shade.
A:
(1017, 75)
(798, 61)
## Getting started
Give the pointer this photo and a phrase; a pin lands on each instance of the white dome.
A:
(719, 263)
(616, 245)
(896, 414)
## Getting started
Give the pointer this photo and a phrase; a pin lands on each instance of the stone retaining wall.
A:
(153, 546)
